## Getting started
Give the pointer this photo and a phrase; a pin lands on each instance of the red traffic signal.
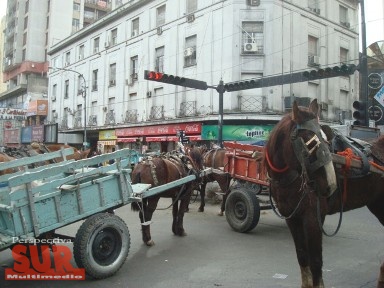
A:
(175, 80)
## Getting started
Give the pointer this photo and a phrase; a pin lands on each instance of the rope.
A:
(348, 155)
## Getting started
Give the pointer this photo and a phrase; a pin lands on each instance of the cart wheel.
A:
(242, 210)
(101, 245)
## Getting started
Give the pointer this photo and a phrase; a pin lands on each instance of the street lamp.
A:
(84, 93)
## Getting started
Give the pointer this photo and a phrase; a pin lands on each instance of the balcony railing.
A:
(188, 108)
(78, 123)
(157, 113)
(252, 103)
(130, 116)
(110, 118)
(92, 120)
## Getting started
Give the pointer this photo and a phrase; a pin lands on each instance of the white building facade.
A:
(228, 40)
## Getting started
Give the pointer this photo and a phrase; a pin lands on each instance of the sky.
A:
(374, 10)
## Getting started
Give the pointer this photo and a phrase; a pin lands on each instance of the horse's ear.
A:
(295, 111)
(314, 107)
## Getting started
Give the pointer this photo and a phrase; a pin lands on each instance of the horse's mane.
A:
(277, 139)
(196, 156)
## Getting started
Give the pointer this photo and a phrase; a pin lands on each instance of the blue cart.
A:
(35, 202)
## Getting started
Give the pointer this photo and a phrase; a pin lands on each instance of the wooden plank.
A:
(341, 160)
(34, 159)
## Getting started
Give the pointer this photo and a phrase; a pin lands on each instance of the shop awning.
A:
(129, 139)
(156, 139)
(194, 137)
(173, 138)
(110, 142)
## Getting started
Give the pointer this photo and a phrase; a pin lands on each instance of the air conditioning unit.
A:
(112, 82)
(79, 91)
(159, 30)
(324, 106)
(346, 24)
(66, 64)
(317, 11)
(254, 2)
(135, 33)
(188, 51)
(250, 47)
(149, 94)
(54, 115)
(313, 60)
(190, 18)
(105, 108)
(53, 98)
(134, 76)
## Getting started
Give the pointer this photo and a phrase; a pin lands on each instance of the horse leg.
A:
(202, 195)
(380, 280)
(178, 215)
(297, 229)
(145, 219)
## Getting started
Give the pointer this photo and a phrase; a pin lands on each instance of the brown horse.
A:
(6, 158)
(161, 170)
(296, 158)
(215, 158)
(46, 148)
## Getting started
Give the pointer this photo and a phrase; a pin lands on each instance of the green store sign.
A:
(237, 132)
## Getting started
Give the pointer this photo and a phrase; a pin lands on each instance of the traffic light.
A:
(175, 80)
(242, 85)
(360, 113)
(329, 72)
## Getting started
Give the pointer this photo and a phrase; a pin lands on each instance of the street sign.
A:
(374, 80)
(380, 96)
(375, 113)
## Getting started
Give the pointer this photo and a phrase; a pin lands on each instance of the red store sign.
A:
(189, 128)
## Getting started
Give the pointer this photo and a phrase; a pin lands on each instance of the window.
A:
(343, 56)
(134, 68)
(67, 58)
(190, 51)
(25, 22)
(24, 54)
(96, 43)
(26, 6)
(54, 92)
(114, 36)
(135, 27)
(79, 85)
(75, 24)
(159, 59)
(94, 79)
(76, 7)
(111, 104)
(191, 6)
(112, 74)
(81, 52)
(47, 23)
(160, 16)
(313, 4)
(253, 37)
(343, 14)
(313, 58)
(66, 89)
(25, 38)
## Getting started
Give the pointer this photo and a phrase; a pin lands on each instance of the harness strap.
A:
(274, 169)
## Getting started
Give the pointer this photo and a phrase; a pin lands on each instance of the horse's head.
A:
(297, 147)
(197, 158)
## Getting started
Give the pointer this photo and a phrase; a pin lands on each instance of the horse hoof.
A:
(150, 243)
(201, 209)
(220, 213)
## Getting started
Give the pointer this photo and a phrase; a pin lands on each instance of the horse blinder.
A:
(314, 153)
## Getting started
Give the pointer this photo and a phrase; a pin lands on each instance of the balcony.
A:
(92, 120)
(110, 118)
(131, 116)
(188, 108)
(98, 4)
(157, 113)
(252, 103)
(78, 122)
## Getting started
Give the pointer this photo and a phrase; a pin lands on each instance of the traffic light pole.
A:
(364, 65)
(221, 90)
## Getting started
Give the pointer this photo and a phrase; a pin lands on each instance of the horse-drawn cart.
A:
(35, 202)
(244, 202)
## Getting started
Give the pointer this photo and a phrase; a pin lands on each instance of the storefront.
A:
(159, 138)
(107, 141)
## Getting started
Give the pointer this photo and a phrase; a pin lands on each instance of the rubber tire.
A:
(97, 230)
(242, 210)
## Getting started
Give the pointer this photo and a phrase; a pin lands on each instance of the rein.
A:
(274, 169)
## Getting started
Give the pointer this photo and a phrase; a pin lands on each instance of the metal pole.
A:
(364, 65)
(221, 90)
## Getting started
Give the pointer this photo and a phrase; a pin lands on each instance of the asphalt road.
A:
(213, 255)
